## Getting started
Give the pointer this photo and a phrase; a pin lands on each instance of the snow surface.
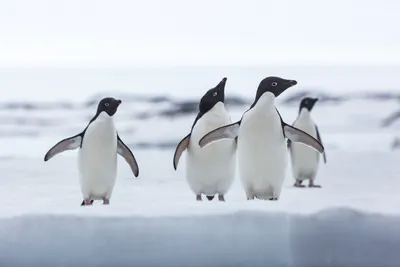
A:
(154, 220)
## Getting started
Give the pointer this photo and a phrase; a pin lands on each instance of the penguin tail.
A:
(210, 198)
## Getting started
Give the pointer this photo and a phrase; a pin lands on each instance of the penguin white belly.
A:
(97, 161)
(305, 160)
(211, 170)
(262, 154)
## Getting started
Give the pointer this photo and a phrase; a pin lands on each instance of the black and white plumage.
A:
(305, 161)
(261, 134)
(99, 144)
(209, 171)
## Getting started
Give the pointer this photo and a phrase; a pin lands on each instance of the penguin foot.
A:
(87, 202)
(221, 197)
(106, 201)
(198, 197)
(312, 185)
(298, 184)
(273, 198)
(210, 198)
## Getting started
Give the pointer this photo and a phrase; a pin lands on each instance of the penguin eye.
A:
(215, 94)
(106, 104)
(274, 84)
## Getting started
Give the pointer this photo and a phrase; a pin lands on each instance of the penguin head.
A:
(308, 103)
(109, 105)
(274, 85)
(213, 96)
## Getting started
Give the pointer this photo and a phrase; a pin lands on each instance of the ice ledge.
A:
(334, 237)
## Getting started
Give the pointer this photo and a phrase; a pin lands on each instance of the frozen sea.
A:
(154, 220)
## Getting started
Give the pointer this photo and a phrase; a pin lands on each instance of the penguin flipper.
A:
(182, 146)
(127, 154)
(320, 140)
(299, 136)
(69, 143)
(229, 131)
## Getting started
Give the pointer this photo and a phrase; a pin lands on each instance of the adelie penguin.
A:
(209, 171)
(261, 141)
(305, 161)
(99, 144)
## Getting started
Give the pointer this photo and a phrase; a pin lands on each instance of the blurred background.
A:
(58, 58)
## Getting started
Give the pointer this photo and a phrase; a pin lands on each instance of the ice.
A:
(339, 237)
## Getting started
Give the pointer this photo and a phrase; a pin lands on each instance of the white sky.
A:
(43, 32)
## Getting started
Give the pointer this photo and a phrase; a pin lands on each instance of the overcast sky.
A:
(198, 32)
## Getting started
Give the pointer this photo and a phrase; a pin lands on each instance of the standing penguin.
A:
(305, 161)
(261, 133)
(209, 171)
(98, 146)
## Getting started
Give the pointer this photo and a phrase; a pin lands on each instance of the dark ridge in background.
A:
(168, 108)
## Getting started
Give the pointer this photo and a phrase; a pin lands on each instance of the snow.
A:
(154, 220)
(52, 187)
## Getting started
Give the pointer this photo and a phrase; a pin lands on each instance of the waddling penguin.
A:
(261, 133)
(98, 146)
(210, 170)
(305, 161)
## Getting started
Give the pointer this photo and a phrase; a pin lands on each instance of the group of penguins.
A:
(258, 143)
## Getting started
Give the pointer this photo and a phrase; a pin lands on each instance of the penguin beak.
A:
(221, 87)
(291, 82)
(119, 102)
(222, 83)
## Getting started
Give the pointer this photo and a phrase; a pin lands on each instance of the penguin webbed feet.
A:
(312, 185)
(264, 198)
(87, 202)
(221, 197)
(298, 184)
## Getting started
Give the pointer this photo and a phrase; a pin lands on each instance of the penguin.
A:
(209, 171)
(99, 144)
(261, 137)
(305, 161)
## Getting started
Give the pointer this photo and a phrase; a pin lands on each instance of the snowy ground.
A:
(32, 186)
(154, 220)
